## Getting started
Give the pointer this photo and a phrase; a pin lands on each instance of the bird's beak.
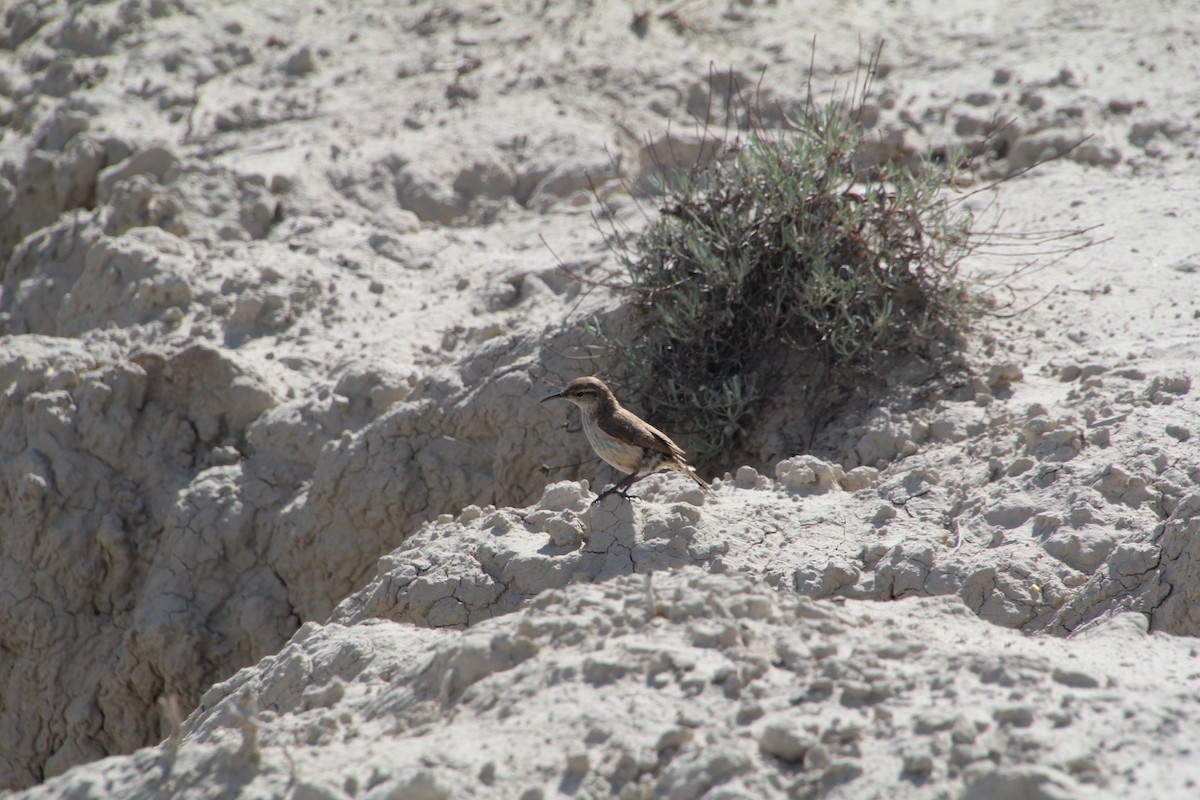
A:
(551, 397)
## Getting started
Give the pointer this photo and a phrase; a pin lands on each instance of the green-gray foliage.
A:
(780, 242)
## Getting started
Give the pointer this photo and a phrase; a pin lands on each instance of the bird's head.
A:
(587, 393)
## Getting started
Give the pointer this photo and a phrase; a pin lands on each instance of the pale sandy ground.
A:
(279, 300)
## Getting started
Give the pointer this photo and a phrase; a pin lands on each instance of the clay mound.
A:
(125, 577)
(676, 684)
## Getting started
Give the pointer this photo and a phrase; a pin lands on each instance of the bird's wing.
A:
(624, 425)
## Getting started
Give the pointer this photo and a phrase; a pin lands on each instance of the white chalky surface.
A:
(280, 289)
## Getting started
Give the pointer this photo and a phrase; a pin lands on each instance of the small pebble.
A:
(1179, 432)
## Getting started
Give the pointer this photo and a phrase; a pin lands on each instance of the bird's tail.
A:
(690, 471)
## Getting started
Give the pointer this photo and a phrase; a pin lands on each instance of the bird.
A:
(623, 440)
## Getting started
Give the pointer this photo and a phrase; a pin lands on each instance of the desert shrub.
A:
(779, 242)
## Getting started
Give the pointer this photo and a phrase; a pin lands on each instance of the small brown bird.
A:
(629, 444)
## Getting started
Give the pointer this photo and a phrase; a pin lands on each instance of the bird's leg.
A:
(619, 489)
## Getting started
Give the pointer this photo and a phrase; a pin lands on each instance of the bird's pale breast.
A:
(625, 457)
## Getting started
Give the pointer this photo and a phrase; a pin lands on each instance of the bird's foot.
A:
(617, 492)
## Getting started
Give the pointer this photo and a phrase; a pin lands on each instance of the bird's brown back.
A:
(626, 426)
